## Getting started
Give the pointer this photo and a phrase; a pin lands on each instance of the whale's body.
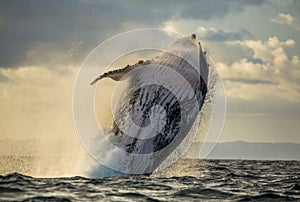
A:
(163, 99)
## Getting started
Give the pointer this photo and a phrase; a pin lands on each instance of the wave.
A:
(213, 182)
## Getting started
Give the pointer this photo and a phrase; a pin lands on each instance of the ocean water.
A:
(187, 180)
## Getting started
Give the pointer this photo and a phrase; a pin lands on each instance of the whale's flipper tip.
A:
(98, 78)
(116, 75)
(94, 81)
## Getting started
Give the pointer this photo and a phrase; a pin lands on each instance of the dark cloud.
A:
(213, 9)
(255, 60)
(24, 24)
(221, 35)
(251, 81)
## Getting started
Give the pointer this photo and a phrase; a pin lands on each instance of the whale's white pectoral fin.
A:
(116, 75)
(120, 74)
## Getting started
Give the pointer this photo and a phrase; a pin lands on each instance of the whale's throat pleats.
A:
(145, 104)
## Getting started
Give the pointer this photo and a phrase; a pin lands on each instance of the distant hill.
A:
(224, 150)
(250, 150)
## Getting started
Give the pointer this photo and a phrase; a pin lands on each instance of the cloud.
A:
(250, 81)
(271, 51)
(24, 25)
(286, 19)
(277, 74)
(212, 9)
(2, 22)
(213, 34)
(3, 78)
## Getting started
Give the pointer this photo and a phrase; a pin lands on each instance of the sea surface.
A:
(187, 180)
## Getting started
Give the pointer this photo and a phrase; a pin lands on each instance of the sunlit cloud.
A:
(286, 19)
(277, 73)
(169, 26)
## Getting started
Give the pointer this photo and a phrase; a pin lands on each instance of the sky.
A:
(254, 44)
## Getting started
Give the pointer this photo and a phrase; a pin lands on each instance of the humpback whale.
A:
(162, 101)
